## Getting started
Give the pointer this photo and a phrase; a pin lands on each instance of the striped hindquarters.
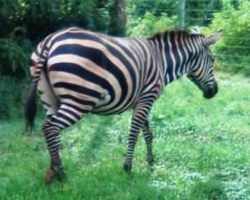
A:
(98, 73)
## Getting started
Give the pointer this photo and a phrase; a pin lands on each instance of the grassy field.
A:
(202, 151)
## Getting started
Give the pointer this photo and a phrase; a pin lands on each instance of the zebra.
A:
(77, 72)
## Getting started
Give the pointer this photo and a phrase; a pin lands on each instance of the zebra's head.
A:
(201, 69)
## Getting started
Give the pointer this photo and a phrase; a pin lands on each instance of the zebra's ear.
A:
(212, 39)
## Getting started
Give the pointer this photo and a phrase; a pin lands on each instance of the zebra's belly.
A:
(104, 110)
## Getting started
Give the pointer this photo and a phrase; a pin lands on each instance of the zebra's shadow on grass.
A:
(95, 137)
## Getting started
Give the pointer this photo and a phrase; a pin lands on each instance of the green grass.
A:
(202, 150)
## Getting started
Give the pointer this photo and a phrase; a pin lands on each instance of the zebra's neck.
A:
(174, 51)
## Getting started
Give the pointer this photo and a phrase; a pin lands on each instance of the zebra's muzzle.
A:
(210, 92)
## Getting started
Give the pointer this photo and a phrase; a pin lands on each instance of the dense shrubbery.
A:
(150, 24)
(12, 96)
(14, 57)
(14, 69)
(148, 17)
(234, 49)
(41, 17)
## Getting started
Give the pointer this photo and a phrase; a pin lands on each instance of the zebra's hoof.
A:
(127, 167)
(49, 176)
(52, 174)
(60, 175)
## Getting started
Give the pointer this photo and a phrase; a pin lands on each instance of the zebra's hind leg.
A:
(63, 118)
(139, 116)
(51, 134)
(148, 136)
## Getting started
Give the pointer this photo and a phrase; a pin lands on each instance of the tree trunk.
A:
(181, 13)
(118, 18)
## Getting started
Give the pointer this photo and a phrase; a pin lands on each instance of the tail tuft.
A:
(30, 108)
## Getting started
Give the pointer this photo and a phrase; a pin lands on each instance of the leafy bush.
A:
(12, 97)
(53, 15)
(201, 12)
(138, 8)
(150, 24)
(233, 50)
(14, 56)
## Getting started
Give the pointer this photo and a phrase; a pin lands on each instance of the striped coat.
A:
(78, 72)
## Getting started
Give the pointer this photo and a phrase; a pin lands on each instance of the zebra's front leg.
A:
(148, 137)
(139, 116)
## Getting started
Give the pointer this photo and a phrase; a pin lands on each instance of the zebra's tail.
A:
(30, 103)
(30, 109)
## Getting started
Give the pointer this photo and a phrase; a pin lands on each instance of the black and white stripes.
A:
(79, 72)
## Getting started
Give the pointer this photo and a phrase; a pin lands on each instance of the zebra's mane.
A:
(167, 32)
